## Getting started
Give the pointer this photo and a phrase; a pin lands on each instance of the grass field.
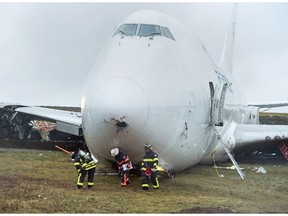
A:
(39, 181)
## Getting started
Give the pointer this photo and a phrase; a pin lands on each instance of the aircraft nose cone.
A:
(121, 99)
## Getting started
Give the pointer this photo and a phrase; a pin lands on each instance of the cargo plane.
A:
(154, 82)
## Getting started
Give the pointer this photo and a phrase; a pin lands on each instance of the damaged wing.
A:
(66, 121)
(69, 117)
(15, 120)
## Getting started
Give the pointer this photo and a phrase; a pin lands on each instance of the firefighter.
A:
(124, 165)
(85, 163)
(149, 167)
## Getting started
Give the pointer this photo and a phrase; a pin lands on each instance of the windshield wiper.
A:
(153, 34)
(123, 33)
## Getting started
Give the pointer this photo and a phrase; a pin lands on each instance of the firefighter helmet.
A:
(147, 146)
(81, 153)
(114, 152)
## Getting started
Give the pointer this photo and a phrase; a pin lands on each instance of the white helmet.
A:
(114, 152)
(81, 153)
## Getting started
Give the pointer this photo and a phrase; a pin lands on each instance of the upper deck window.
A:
(127, 29)
(149, 30)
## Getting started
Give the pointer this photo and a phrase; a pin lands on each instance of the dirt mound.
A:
(206, 210)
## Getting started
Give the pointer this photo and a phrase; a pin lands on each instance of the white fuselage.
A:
(160, 88)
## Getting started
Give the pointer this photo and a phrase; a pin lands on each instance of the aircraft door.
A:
(217, 103)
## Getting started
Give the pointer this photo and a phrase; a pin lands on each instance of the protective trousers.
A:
(124, 178)
(81, 176)
(154, 180)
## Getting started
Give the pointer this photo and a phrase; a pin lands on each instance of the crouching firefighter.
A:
(149, 167)
(124, 165)
(85, 163)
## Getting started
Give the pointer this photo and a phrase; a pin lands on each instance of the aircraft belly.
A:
(179, 133)
(189, 151)
(176, 152)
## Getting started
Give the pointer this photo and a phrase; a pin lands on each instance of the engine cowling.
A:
(251, 115)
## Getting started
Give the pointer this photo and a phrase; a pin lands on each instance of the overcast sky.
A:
(48, 49)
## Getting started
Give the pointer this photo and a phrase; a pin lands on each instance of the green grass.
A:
(35, 181)
(273, 118)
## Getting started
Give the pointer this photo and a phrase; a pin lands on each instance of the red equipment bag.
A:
(148, 171)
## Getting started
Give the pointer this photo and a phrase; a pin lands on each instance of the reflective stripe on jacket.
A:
(150, 160)
(85, 163)
(122, 158)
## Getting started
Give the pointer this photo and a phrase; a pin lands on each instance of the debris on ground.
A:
(260, 170)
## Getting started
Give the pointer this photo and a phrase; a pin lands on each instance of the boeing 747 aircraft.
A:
(154, 82)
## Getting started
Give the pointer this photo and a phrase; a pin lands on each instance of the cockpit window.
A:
(169, 33)
(127, 29)
(149, 30)
(144, 30)
(164, 32)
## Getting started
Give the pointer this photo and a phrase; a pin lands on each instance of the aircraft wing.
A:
(18, 116)
(248, 137)
(269, 105)
(73, 118)
(275, 110)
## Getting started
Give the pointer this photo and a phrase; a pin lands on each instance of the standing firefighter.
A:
(84, 163)
(149, 167)
(124, 165)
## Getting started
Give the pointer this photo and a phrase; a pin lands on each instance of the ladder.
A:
(242, 175)
(284, 149)
(216, 117)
